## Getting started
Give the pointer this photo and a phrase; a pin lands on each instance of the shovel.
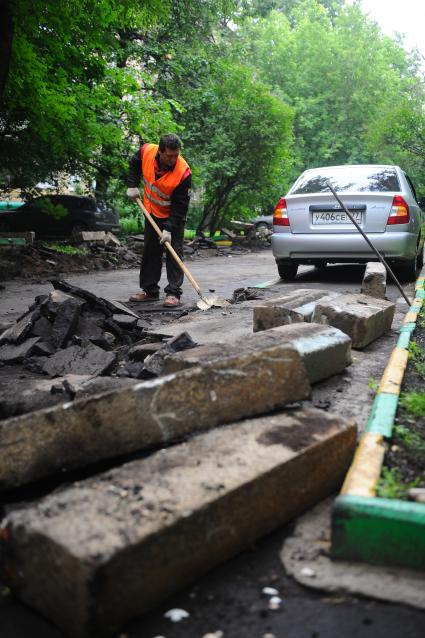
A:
(377, 253)
(204, 302)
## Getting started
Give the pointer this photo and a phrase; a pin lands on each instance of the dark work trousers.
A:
(151, 267)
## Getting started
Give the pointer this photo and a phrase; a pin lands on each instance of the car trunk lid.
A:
(321, 213)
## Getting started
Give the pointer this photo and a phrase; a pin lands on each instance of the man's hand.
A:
(166, 236)
(133, 193)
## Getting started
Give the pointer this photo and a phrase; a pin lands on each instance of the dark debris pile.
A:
(73, 333)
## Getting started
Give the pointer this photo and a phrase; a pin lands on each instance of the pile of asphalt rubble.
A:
(73, 336)
(72, 344)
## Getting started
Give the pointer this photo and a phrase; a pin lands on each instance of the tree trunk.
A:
(6, 39)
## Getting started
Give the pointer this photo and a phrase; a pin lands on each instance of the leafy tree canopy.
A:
(337, 73)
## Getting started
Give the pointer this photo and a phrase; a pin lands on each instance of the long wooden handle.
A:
(169, 247)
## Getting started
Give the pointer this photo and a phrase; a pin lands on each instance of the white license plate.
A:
(336, 217)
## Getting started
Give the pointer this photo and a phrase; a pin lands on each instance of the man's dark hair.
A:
(169, 141)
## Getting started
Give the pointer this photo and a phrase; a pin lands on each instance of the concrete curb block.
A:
(365, 527)
(374, 280)
(149, 414)
(105, 549)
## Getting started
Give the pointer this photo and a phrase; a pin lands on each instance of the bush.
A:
(131, 225)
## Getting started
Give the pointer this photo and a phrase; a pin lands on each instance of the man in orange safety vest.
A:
(167, 181)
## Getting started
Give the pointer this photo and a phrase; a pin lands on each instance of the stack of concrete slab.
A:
(108, 548)
(363, 318)
(151, 413)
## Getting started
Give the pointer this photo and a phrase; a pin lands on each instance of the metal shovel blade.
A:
(205, 303)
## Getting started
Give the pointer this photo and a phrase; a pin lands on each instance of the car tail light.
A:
(280, 215)
(399, 213)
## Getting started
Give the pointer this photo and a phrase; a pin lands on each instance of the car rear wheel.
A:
(420, 258)
(409, 270)
(287, 270)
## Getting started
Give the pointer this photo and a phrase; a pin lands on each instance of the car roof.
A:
(344, 166)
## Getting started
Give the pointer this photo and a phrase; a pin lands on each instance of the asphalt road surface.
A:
(228, 602)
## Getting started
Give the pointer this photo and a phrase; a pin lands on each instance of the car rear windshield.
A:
(353, 178)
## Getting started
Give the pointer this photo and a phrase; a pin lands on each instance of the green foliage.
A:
(131, 225)
(76, 92)
(417, 357)
(390, 484)
(240, 136)
(410, 439)
(65, 249)
(336, 72)
(258, 90)
(57, 211)
(373, 384)
(413, 403)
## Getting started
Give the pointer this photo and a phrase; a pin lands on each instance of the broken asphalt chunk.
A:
(11, 353)
(89, 359)
(154, 363)
(65, 322)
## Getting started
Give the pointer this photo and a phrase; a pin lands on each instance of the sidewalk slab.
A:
(313, 342)
(106, 549)
(374, 280)
(78, 433)
(294, 307)
(361, 317)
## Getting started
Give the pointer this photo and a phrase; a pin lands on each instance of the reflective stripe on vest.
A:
(154, 189)
(158, 192)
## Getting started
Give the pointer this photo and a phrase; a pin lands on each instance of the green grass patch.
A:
(131, 225)
(373, 384)
(417, 357)
(413, 403)
(65, 249)
(391, 485)
(410, 439)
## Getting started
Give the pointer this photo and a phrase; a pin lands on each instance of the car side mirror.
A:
(421, 202)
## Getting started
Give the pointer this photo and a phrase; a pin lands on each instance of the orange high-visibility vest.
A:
(157, 196)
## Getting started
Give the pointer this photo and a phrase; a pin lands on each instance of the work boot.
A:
(143, 296)
(171, 301)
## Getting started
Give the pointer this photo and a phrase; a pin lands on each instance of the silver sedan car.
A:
(310, 227)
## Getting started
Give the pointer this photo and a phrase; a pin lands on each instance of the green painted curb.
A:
(408, 327)
(12, 241)
(379, 531)
(382, 415)
(404, 339)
